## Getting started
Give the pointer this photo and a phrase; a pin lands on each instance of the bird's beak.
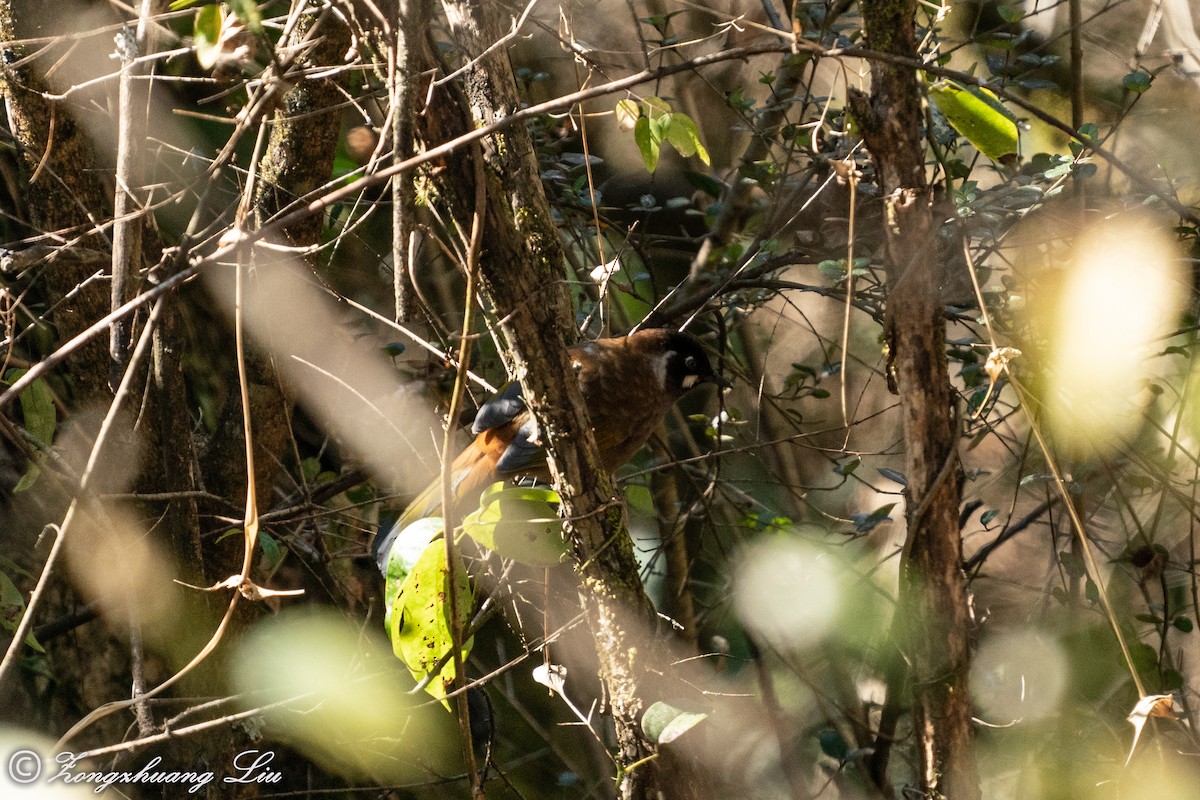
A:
(719, 380)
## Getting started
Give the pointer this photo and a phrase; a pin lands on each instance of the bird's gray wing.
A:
(500, 410)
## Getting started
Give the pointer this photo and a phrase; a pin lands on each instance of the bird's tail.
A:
(470, 474)
(426, 504)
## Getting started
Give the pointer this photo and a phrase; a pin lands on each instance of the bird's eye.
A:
(690, 363)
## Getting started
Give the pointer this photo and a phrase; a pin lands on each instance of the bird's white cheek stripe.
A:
(660, 369)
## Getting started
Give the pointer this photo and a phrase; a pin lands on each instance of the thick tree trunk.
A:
(409, 51)
(522, 274)
(65, 201)
(64, 197)
(933, 616)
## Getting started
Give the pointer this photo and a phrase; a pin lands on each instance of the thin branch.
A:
(127, 225)
(452, 558)
(303, 208)
(975, 562)
(81, 496)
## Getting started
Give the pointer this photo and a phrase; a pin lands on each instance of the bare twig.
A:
(452, 558)
(82, 496)
(241, 582)
(317, 204)
(127, 224)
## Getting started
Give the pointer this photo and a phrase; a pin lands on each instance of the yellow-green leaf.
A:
(420, 627)
(37, 408)
(639, 497)
(247, 11)
(979, 116)
(520, 523)
(627, 112)
(206, 35)
(40, 420)
(403, 554)
(643, 134)
(655, 107)
(12, 608)
(684, 136)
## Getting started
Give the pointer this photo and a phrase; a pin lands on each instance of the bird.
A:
(628, 385)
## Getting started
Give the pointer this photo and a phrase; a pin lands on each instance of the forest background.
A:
(938, 540)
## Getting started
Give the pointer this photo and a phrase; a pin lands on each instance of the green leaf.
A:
(40, 420)
(247, 11)
(659, 126)
(805, 369)
(834, 268)
(655, 107)
(681, 132)
(864, 523)
(206, 34)
(8, 565)
(646, 143)
(979, 116)
(10, 596)
(405, 551)
(272, 552)
(640, 498)
(628, 112)
(37, 408)
(1144, 657)
(310, 468)
(958, 169)
(520, 523)
(705, 183)
(1136, 82)
(420, 627)
(222, 537)
(1182, 624)
(684, 136)
(1009, 13)
(652, 127)
(663, 723)
(28, 479)
(848, 467)
(179, 5)
(12, 608)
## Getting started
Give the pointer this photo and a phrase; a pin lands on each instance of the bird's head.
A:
(679, 360)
